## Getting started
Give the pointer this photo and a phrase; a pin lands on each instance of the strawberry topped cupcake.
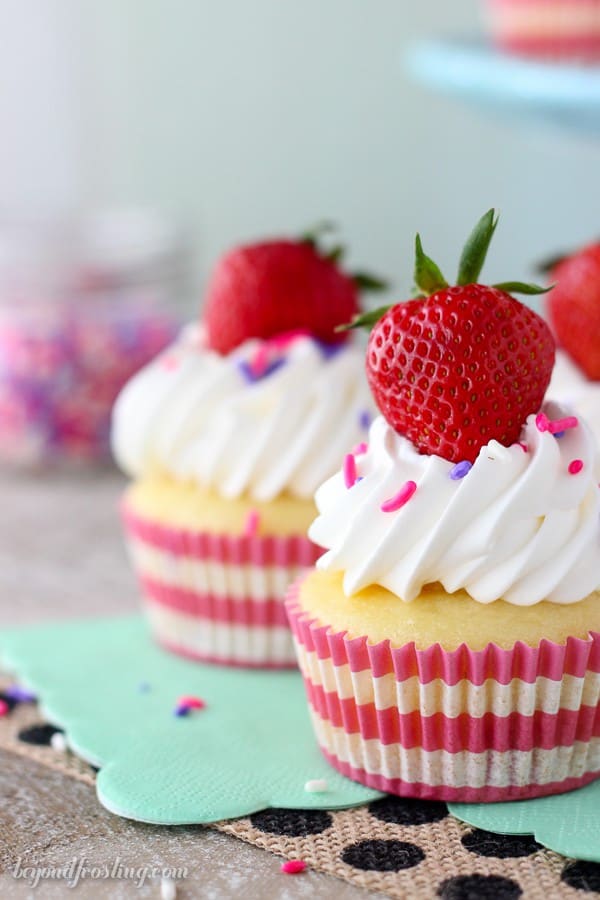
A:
(226, 436)
(449, 637)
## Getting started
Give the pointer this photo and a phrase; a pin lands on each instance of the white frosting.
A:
(518, 526)
(194, 414)
(571, 387)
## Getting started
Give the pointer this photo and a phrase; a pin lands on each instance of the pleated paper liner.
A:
(460, 725)
(218, 597)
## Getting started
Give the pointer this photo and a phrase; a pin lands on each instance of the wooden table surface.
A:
(61, 556)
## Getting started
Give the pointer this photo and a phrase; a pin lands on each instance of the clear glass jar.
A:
(82, 308)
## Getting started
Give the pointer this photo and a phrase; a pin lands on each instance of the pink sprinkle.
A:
(4, 708)
(191, 702)
(252, 523)
(349, 470)
(575, 466)
(523, 447)
(399, 499)
(360, 448)
(169, 363)
(559, 425)
(542, 422)
(293, 866)
(260, 360)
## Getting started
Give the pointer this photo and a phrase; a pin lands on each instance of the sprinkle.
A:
(542, 422)
(58, 742)
(168, 889)
(399, 499)
(349, 470)
(559, 434)
(192, 702)
(293, 866)
(4, 708)
(360, 448)
(169, 363)
(19, 694)
(575, 466)
(523, 447)
(364, 419)
(252, 374)
(316, 786)
(181, 711)
(460, 469)
(558, 426)
(252, 523)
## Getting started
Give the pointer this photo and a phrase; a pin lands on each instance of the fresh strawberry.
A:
(574, 307)
(459, 366)
(269, 288)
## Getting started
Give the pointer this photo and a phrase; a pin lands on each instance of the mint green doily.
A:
(114, 693)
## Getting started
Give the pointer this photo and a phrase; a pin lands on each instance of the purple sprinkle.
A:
(19, 694)
(250, 376)
(364, 420)
(181, 710)
(329, 350)
(460, 470)
(559, 434)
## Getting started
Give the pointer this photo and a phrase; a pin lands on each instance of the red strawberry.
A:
(574, 307)
(273, 287)
(459, 366)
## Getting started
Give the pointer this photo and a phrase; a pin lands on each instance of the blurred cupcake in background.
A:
(573, 308)
(553, 30)
(226, 436)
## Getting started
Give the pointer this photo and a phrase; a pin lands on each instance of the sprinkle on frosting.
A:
(349, 470)
(399, 499)
(556, 427)
(252, 523)
(460, 469)
(365, 419)
(575, 466)
(523, 446)
(360, 448)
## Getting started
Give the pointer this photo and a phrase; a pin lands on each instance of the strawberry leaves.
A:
(476, 248)
(428, 276)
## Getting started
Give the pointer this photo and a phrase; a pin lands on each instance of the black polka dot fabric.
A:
(501, 846)
(40, 734)
(584, 876)
(292, 822)
(405, 811)
(479, 887)
(383, 856)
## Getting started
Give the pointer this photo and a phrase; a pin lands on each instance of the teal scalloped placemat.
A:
(567, 823)
(114, 693)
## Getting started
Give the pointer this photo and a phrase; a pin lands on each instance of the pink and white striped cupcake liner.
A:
(551, 30)
(464, 725)
(217, 597)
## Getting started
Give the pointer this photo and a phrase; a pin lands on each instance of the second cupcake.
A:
(226, 435)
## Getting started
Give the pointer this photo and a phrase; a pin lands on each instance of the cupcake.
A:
(226, 435)
(449, 637)
(574, 312)
(555, 30)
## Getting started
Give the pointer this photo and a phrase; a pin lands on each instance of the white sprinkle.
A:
(59, 742)
(168, 889)
(316, 786)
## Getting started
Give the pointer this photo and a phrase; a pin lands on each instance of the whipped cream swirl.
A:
(570, 386)
(523, 523)
(271, 417)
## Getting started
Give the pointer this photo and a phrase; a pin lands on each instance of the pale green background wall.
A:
(247, 117)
